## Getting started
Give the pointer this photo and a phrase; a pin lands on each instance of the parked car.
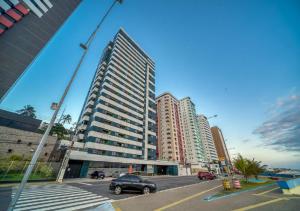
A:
(98, 174)
(130, 182)
(117, 174)
(206, 176)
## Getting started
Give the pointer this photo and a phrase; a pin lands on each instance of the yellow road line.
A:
(260, 204)
(185, 199)
(266, 191)
(116, 207)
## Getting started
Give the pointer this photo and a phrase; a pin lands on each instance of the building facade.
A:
(23, 143)
(17, 121)
(170, 143)
(221, 147)
(118, 120)
(195, 154)
(207, 139)
(25, 28)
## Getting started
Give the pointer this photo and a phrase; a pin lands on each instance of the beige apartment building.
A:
(221, 147)
(169, 134)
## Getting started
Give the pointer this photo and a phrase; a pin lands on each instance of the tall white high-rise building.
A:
(118, 121)
(207, 139)
(195, 154)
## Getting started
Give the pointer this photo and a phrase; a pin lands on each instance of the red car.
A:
(206, 176)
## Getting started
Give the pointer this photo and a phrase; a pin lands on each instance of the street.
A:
(192, 198)
(174, 193)
(87, 194)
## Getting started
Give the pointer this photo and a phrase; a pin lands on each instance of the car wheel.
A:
(118, 190)
(102, 177)
(146, 190)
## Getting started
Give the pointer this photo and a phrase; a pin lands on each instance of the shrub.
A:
(45, 170)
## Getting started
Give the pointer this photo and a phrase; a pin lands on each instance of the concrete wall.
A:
(24, 143)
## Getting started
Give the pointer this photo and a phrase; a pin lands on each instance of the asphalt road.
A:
(163, 183)
(91, 189)
(193, 198)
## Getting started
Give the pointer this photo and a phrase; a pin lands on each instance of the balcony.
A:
(80, 136)
(85, 118)
(87, 111)
(82, 127)
(95, 90)
(92, 97)
(90, 104)
(97, 84)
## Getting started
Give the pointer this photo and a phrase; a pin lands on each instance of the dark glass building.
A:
(25, 28)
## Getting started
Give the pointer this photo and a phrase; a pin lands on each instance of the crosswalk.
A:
(57, 197)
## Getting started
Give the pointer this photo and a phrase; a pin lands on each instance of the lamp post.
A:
(38, 151)
(214, 116)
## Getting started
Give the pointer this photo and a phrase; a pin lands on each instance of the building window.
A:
(29, 144)
(9, 151)
(19, 141)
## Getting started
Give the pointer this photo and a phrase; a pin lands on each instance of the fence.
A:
(13, 171)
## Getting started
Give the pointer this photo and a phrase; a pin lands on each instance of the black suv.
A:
(132, 183)
(98, 174)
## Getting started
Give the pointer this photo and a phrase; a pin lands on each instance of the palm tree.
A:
(256, 168)
(243, 165)
(66, 119)
(27, 110)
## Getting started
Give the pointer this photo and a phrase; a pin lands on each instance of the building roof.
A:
(17, 121)
(123, 32)
(166, 93)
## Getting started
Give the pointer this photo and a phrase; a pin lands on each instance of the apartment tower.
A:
(117, 125)
(195, 154)
(170, 143)
(207, 139)
(220, 145)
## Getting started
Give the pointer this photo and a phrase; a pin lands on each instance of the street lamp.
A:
(38, 151)
(214, 116)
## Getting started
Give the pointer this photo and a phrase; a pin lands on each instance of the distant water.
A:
(253, 180)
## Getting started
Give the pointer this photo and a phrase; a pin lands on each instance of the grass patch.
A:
(244, 186)
(18, 177)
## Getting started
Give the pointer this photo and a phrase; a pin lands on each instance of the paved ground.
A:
(78, 194)
(192, 198)
(174, 193)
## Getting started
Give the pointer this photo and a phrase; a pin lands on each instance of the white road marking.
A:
(56, 197)
(84, 183)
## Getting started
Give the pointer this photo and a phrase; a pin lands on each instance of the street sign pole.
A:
(39, 149)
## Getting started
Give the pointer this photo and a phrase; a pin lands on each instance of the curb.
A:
(212, 198)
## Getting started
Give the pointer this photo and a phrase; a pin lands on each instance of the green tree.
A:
(66, 119)
(59, 130)
(243, 165)
(27, 110)
(256, 168)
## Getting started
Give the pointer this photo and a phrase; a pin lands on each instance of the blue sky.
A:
(237, 59)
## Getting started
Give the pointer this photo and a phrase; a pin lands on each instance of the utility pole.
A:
(214, 116)
(38, 151)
